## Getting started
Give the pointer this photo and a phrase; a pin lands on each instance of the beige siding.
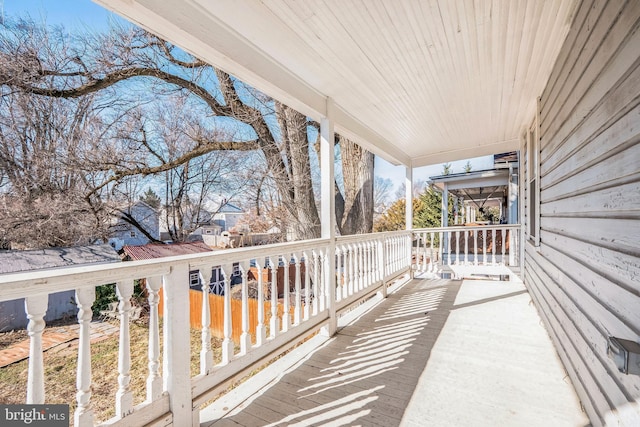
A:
(585, 276)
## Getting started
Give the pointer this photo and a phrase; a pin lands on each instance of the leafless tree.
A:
(128, 68)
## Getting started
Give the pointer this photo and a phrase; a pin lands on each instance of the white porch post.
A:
(175, 361)
(327, 213)
(409, 197)
(445, 219)
(408, 211)
(445, 206)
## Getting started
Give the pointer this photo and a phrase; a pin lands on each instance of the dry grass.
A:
(60, 371)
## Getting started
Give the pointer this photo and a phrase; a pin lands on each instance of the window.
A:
(533, 181)
(132, 234)
(194, 280)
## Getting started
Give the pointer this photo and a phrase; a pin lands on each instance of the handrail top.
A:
(12, 285)
(469, 228)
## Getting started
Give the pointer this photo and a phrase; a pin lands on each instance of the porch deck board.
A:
(436, 352)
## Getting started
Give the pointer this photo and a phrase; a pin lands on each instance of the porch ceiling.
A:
(416, 81)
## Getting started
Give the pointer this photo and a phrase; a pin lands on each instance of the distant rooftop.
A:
(159, 250)
(229, 208)
(41, 259)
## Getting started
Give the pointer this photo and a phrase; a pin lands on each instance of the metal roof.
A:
(41, 259)
(159, 250)
(418, 82)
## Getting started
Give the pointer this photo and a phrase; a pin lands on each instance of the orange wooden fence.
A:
(216, 305)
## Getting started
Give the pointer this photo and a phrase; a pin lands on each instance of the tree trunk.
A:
(293, 125)
(357, 172)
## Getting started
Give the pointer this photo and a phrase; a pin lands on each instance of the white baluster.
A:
(297, 309)
(274, 324)
(503, 234)
(466, 247)
(420, 250)
(475, 247)
(512, 248)
(227, 331)
(484, 246)
(339, 276)
(124, 396)
(380, 253)
(35, 306)
(350, 269)
(245, 337)
(432, 252)
(83, 415)
(316, 282)
(322, 286)
(440, 247)
(457, 247)
(154, 380)
(261, 329)
(206, 353)
(307, 286)
(360, 266)
(493, 246)
(369, 263)
(286, 313)
(449, 247)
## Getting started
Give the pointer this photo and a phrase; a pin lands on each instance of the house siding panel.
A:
(585, 275)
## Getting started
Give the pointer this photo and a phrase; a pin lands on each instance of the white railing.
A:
(364, 264)
(436, 249)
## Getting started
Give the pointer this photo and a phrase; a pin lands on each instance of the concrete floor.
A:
(434, 353)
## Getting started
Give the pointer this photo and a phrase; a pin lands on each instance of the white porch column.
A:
(408, 211)
(445, 219)
(177, 347)
(456, 213)
(328, 212)
(409, 197)
(445, 206)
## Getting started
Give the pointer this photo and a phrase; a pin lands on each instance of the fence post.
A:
(176, 359)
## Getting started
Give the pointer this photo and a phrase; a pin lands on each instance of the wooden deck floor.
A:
(436, 352)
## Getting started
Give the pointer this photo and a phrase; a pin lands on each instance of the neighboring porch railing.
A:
(364, 265)
(437, 250)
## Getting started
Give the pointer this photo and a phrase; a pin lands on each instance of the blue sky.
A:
(85, 13)
(71, 13)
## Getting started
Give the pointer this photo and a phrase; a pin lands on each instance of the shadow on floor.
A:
(368, 373)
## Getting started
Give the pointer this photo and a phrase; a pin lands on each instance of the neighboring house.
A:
(208, 234)
(482, 189)
(61, 304)
(228, 216)
(123, 232)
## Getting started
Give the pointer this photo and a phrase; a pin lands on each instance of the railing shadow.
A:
(368, 373)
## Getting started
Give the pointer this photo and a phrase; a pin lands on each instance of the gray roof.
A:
(229, 208)
(40, 259)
